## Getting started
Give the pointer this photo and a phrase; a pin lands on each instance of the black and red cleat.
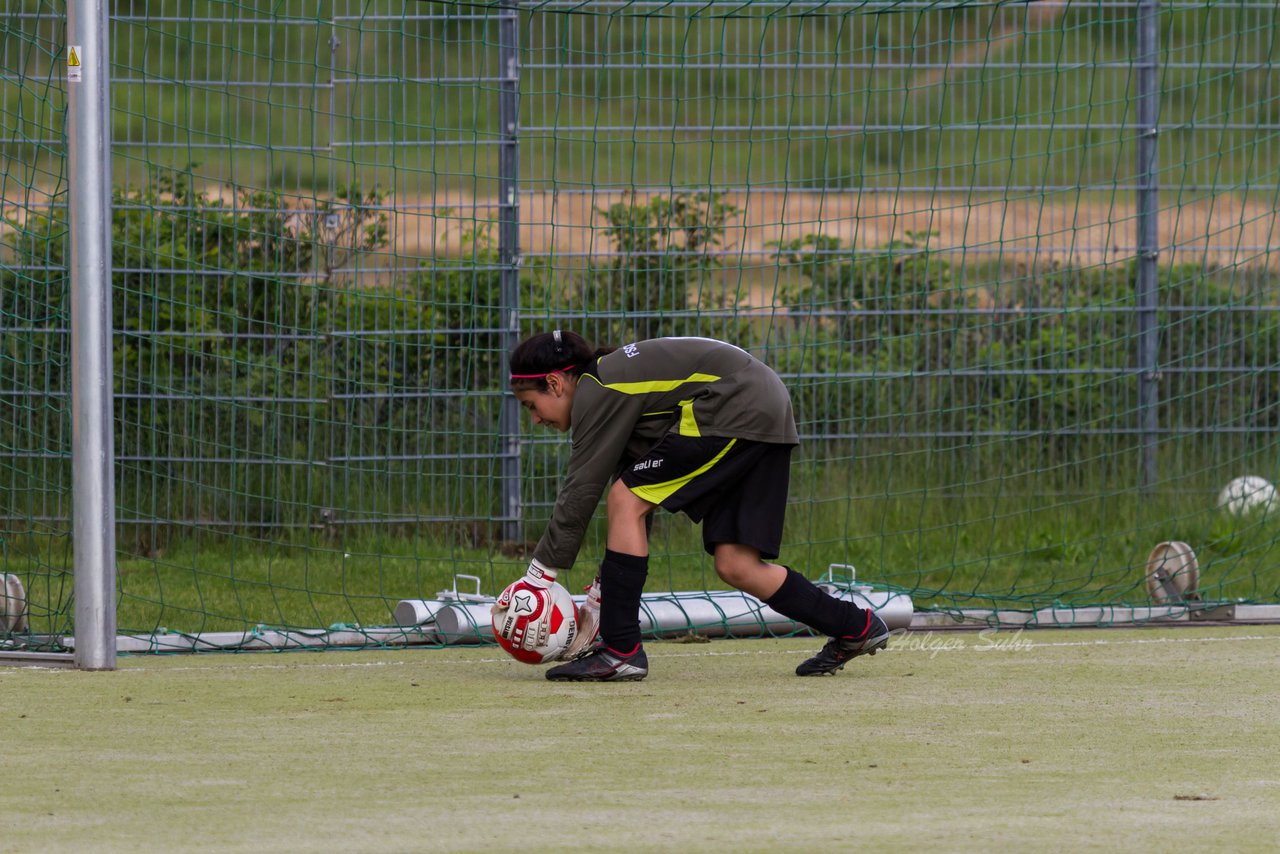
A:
(838, 651)
(603, 665)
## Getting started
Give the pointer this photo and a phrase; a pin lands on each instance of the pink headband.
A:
(543, 375)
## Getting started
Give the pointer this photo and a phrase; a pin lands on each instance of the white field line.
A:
(918, 642)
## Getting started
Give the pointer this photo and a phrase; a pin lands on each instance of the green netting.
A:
(35, 407)
(923, 215)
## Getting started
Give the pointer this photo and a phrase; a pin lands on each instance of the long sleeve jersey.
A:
(633, 396)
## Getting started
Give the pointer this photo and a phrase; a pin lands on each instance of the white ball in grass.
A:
(1247, 495)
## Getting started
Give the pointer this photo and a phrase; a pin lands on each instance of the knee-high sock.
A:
(801, 600)
(622, 578)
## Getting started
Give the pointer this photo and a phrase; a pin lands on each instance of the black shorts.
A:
(736, 488)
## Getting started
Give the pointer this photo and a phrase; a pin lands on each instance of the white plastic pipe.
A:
(417, 612)
(721, 613)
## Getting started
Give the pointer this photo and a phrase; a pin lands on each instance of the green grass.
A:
(580, 70)
(1017, 551)
(1008, 547)
(1160, 740)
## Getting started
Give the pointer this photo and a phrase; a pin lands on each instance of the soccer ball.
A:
(555, 610)
(1247, 494)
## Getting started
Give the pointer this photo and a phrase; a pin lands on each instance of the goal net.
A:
(1013, 261)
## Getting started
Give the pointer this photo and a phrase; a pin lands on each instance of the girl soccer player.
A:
(691, 425)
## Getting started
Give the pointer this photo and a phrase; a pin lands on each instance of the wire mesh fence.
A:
(1013, 261)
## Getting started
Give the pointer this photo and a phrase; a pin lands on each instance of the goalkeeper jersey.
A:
(630, 398)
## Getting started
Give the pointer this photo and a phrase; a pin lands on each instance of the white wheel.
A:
(1173, 573)
(13, 604)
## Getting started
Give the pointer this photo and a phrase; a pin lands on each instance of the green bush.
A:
(242, 334)
(239, 336)
(661, 268)
(881, 336)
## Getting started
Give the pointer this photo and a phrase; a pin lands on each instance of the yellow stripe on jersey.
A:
(656, 493)
(688, 424)
(646, 386)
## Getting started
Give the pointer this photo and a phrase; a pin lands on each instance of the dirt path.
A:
(1086, 229)
(1223, 230)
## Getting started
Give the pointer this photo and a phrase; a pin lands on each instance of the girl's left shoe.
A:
(838, 651)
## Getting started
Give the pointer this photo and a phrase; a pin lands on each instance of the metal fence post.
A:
(509, 256)
(92, 446)
(1148, 296)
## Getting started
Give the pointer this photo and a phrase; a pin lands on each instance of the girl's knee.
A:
(622, 505)
(733, 571)
(622, 500)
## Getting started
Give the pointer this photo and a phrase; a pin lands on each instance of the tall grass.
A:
(941, 97)
(1012, 543)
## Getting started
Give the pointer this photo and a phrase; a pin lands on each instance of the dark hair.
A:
(559, 351)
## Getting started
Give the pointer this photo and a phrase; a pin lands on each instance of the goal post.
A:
(1015, 261)
(92, 375)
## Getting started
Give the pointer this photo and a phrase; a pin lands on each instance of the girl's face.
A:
(553, 407)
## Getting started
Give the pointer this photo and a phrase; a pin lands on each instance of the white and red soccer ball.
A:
(552, 611)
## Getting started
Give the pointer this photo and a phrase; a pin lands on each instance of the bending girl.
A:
(692, 425)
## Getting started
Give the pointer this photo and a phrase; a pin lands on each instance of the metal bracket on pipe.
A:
(455, 595)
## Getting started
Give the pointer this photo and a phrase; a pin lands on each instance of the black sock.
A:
(801, 600)
(622, 578)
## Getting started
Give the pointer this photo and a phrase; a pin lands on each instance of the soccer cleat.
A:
(838, 651)
(603, 665)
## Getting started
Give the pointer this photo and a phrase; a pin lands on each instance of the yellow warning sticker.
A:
(73, 63)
